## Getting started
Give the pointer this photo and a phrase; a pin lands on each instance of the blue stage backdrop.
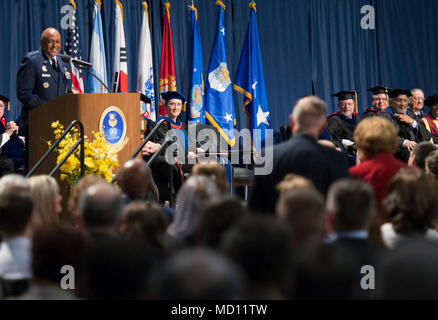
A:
(308, 46)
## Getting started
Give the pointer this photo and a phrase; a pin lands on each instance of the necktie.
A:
(54, 65)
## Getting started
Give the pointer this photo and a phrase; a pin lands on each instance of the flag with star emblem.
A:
(145, 66)
(72, 49)
(219, 105)
(250, 82)
(97, 53)
(120, 79)
(197, 109)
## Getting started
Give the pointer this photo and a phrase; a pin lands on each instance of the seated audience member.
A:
(12, 181)
(416, 104)
(431, 165)
(379, 102)
(411, 206)
(350, 207)
(197, 274)
(409, 273)
(301, 155)
(135, 180)
(52, 250)
(263, 248)
(292, 181)
(118, 269)
(324, 272)
(47, 201)
(83, 184)
(420, 153)
(215, 172)
(302, 208)
(11, 146)
(340, 125)
(376, 141)
(409, 130)
(430, 121)
(15, 249)
(217, 218)
(145, 221)
(100, 209)
(191, 199)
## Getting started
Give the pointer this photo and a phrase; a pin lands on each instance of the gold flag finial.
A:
(252, 5)
(192, 7)
(99, 2)
(220, 3)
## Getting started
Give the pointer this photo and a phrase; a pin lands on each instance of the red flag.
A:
(167, 72)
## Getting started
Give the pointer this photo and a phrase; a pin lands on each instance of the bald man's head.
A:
(51, 42)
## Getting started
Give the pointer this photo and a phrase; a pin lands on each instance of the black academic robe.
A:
(339, 128)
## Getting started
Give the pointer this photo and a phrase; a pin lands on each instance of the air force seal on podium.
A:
(113, 125)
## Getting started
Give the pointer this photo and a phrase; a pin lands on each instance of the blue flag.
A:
(250, 82)
(197, 108)
(219, 95)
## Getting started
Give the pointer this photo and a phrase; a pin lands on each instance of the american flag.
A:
(72, 49)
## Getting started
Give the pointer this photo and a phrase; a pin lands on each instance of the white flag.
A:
(145, 83)
(120, 79)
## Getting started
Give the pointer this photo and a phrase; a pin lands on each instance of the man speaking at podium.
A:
(42, 76)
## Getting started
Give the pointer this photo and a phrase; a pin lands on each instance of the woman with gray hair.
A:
(191, 199)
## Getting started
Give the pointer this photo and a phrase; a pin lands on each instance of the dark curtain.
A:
(308, 46)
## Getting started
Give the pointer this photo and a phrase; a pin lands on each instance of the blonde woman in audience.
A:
(47, 201)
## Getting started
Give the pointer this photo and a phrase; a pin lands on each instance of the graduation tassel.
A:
(355, 101)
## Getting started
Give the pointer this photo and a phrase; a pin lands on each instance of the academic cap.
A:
(173, 95)
(431, 101)
(397, 92)
(5, 100)
(145, 98)
(379, 90)
(345, 95)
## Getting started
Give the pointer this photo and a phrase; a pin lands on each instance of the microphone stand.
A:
(93, 74)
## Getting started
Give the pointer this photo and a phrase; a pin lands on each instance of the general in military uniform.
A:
(42, 76)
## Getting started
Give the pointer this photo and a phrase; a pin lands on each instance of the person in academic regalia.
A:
(416, 104)
(341, 125)
(11, 146)
(379, 102)
(410, 131)
(161, 170)
(431, 120)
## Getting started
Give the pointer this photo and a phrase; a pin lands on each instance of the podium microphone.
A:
(81, 63)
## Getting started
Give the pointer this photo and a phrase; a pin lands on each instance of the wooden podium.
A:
(87, 108)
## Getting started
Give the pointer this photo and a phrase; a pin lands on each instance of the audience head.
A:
(263, 248)
(13, 180)
(409, 272)
(375, 135)
(303, 210)
(135, 178)
(46, 200)
(146, 221)
(83, 184)
(215, 172)
(420, 153)
(308, 116)
(217, 218)
(292, 181)
(118, 268)
(100, 208)
(54, 248)
(194, 195)
(197, 274)
(411, 203)
(351, 204)
(16, 208)
(431, 164)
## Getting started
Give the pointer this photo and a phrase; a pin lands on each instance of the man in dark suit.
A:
(42, 76)
(410, 131)
(301, 155)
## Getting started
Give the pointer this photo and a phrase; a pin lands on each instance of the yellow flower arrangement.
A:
(99, 159)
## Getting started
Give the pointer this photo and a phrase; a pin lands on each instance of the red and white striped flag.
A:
(72, 49)
(120, 79)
